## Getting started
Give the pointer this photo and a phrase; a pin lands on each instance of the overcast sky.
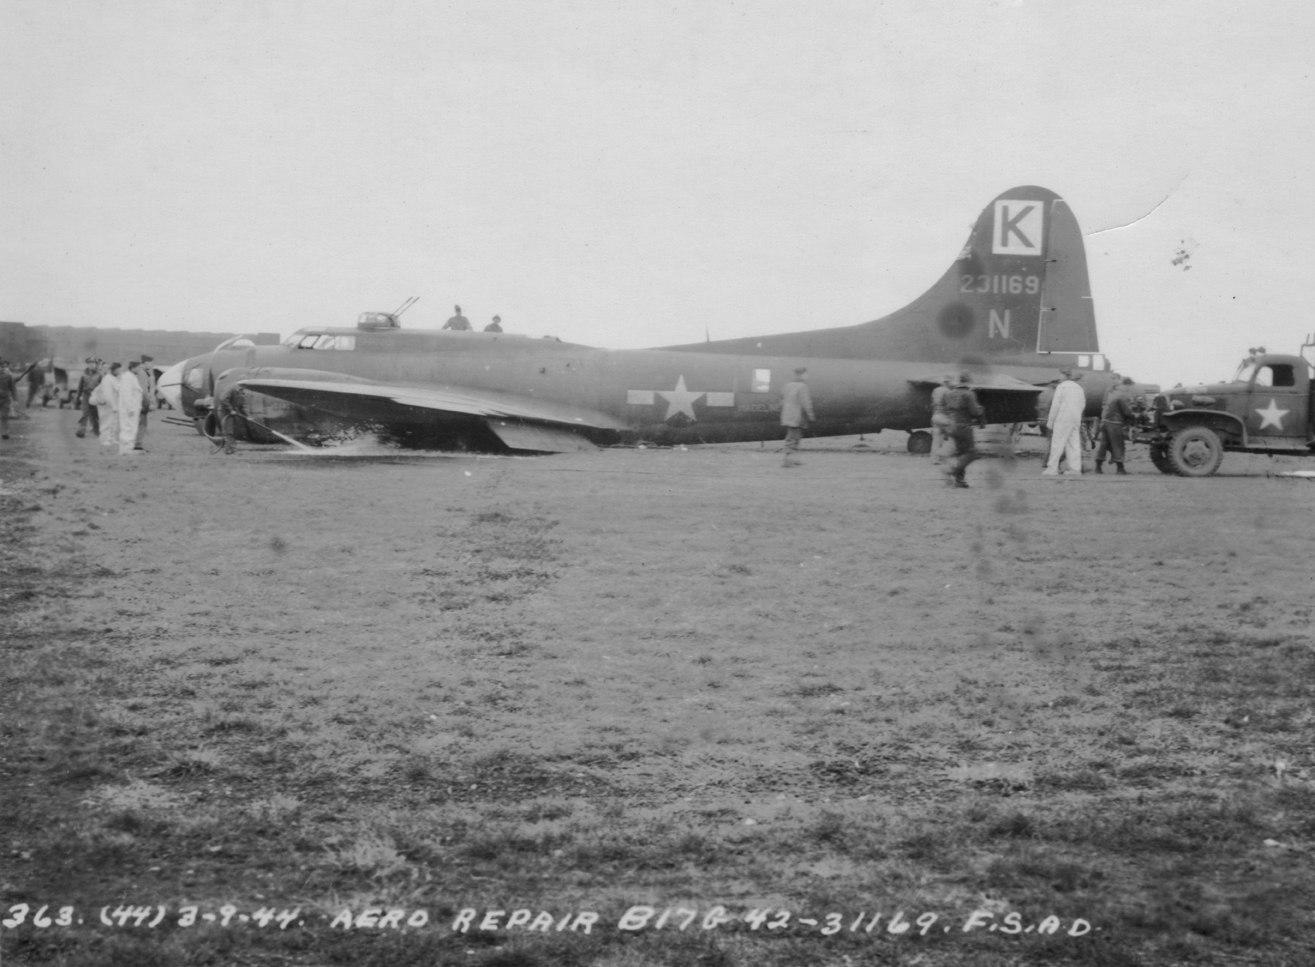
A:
(633, 174)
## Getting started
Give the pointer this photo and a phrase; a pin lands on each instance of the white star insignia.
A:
(681, 400)
(1272, 415)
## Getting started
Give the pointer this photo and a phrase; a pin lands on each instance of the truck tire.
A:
(1195, 451)
(919, 442)
(1160, 457)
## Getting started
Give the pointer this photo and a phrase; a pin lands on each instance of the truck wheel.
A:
(1160, 457)
(1195, 451)
(920, 442)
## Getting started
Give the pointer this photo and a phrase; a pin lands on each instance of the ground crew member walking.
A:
(1115, 416)
(796, 413)
(1065, 421)
(940, 421)
(964, 411)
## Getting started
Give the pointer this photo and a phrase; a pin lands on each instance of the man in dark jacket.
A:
(90, 415)
(1115, 415)
(964, 411)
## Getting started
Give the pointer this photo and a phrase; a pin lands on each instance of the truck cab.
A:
(1265, 408)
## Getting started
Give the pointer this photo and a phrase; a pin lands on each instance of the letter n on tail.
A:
(997, 323)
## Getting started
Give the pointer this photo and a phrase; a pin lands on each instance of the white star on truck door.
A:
(681, 399)
(1272, 415)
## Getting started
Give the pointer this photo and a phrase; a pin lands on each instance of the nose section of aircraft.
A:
(170, 385)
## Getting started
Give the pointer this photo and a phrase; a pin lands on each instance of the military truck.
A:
(1265, 408)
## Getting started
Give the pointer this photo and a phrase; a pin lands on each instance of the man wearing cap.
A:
(940, 421)
(796, 412)
(459, 323)
(1065, 422)
(146, 377)
(963, 410)
(86, 384)
(495, 325)
(1115, 415)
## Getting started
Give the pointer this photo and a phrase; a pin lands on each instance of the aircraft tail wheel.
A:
(920, 442)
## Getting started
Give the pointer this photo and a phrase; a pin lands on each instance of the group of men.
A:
(460, 323)
(956, 411)
(1065, 425)
(115, 403)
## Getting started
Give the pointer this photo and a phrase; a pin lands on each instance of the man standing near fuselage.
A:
(1065, 422)
(1115, 415)
(146, 377)
(796, 413)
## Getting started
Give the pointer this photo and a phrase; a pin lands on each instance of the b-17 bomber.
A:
(1014, 308)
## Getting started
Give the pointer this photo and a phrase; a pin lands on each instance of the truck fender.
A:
(1229, 427)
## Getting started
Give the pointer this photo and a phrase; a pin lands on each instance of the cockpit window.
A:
(347, 343)
(195, 377)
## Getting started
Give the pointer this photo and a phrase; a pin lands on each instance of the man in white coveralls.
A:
(106, 398)
(130, 408)
(1065, 422)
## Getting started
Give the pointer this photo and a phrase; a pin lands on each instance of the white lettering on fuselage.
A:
(997, 323)
(1001, 284)
(1018, 224)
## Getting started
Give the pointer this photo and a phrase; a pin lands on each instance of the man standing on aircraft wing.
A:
(964, 411)
(796, 412)
(1065, 421)
(495, 325)
(459, 323)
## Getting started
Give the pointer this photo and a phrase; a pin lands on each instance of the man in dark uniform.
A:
(1115, 415)
(229, 407)
(495, 325)
(459, 323)
(964, 410)
(8, 393)
(90, 415)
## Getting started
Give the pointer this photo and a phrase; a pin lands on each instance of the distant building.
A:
(70, 345)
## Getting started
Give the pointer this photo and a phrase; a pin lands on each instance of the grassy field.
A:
(657, 707)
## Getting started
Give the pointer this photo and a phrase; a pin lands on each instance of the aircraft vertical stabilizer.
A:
(1017, 288)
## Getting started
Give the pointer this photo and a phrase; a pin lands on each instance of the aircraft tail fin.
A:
(1018, 287)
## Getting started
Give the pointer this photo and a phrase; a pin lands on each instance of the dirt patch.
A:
(685, 679)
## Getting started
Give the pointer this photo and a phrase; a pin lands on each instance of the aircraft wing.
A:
(1005, 398)
(521, 423)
